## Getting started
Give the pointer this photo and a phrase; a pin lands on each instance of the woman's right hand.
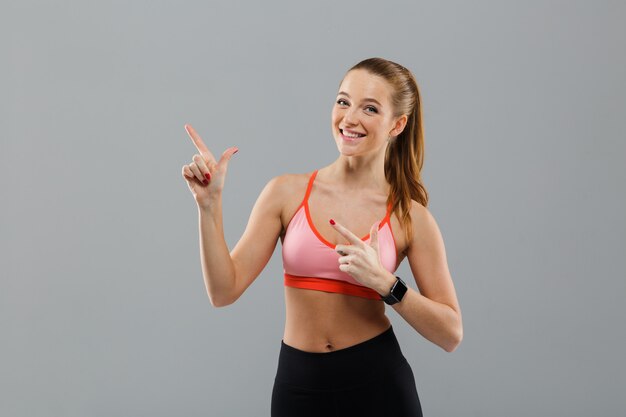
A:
(205, 177)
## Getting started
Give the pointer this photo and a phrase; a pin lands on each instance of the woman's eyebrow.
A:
(365, 99)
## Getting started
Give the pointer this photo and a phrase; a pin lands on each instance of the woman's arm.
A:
(434, 311)
(228, 275)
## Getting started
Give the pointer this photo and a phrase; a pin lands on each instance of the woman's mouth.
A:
(350, 136)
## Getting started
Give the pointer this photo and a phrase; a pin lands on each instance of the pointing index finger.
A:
(204, 151)
(352, 238)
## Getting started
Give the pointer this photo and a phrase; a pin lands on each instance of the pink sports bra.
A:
(310, 261)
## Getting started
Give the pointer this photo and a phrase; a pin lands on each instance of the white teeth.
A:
(351, 135)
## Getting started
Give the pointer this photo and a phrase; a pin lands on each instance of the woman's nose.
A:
(350, 117)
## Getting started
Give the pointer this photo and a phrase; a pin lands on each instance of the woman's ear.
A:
(399, 126)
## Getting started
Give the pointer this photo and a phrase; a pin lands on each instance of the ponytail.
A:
(404, 156)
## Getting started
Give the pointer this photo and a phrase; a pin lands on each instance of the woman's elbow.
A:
(455, 340)
(220, 301)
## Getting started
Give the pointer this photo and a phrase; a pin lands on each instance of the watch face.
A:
(399, 289)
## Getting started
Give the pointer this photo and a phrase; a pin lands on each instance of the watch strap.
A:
(398, 289)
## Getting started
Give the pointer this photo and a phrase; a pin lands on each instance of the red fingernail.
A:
(236, 150)
(205, 182)
(332, 221)
(208, 176)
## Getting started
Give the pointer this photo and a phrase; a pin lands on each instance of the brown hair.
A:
(404, 156)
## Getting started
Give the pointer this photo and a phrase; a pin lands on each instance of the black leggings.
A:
(371, 378)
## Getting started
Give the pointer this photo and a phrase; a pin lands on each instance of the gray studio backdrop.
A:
(103, 310)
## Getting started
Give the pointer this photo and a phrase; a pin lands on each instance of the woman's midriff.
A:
(318, 321)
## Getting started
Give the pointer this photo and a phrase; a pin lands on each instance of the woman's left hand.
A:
(360, 259)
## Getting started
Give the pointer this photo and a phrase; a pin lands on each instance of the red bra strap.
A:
(310, 185)
(387, 218)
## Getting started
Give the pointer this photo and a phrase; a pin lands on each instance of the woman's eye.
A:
(370, 109)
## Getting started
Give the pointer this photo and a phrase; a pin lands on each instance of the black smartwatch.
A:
(397, 292)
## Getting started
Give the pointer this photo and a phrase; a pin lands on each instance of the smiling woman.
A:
(344, 228)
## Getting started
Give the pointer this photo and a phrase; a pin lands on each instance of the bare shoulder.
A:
(427, 243)
(421, 215)
(424, 224)
(290, 182)
(286, 187)
(288, 190)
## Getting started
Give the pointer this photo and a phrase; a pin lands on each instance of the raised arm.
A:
(228, 275)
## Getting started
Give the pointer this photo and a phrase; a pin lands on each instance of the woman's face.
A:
(362, 117)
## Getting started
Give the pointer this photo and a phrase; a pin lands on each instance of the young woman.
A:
(344, 229)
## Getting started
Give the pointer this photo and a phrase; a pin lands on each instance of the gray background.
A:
(103, 310)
